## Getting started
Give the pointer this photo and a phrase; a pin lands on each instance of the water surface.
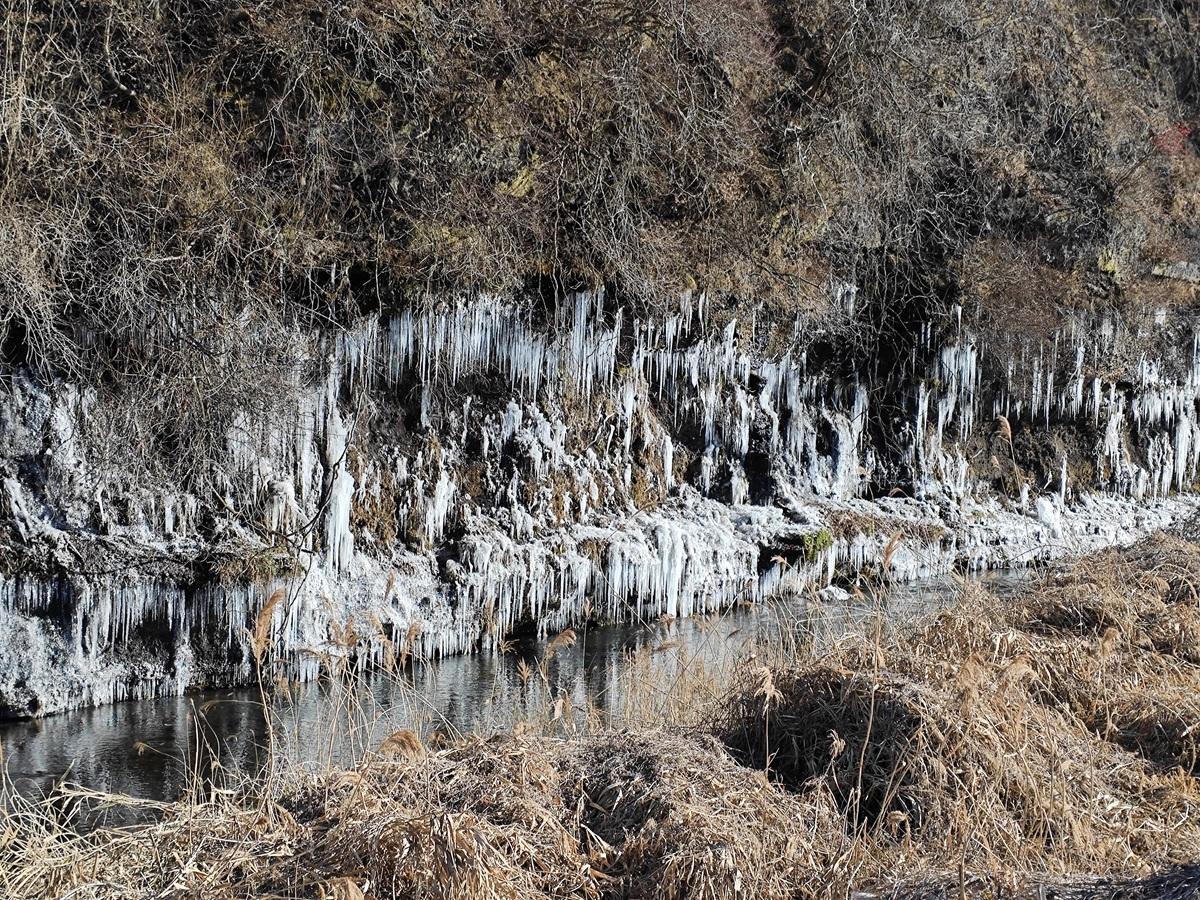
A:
(153, 749)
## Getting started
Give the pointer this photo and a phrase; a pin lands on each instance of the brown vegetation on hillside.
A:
(185, 182)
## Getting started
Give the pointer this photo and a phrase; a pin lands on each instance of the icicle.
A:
(339, 539)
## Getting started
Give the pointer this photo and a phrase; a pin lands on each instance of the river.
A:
(153, 749)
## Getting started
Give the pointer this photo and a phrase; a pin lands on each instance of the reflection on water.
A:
(152, 749)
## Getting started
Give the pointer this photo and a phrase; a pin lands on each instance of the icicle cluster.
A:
(622, 467)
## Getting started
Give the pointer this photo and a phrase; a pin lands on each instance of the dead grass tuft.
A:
(1052, 734)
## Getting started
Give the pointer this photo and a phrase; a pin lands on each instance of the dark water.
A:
(154, 749)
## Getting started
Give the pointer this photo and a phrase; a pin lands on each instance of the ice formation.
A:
(611, 466)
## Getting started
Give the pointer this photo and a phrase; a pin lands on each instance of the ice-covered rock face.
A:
(462, 470)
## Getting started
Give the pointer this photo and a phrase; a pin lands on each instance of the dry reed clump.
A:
(1116, 643)
(1053, 734)
(193, 850)
(479, 819)
(645, 814)
(649, 815)
(673, 816)
(972, 769)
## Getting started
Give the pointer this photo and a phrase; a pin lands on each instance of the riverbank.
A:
(137, 634)
(485, 692)
(987, 750)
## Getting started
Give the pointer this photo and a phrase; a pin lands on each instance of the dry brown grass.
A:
(986, 750)
(608, 816)
(1057, 733)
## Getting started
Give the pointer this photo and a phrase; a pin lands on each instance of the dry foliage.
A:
(1058, 732)
(189, 187)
